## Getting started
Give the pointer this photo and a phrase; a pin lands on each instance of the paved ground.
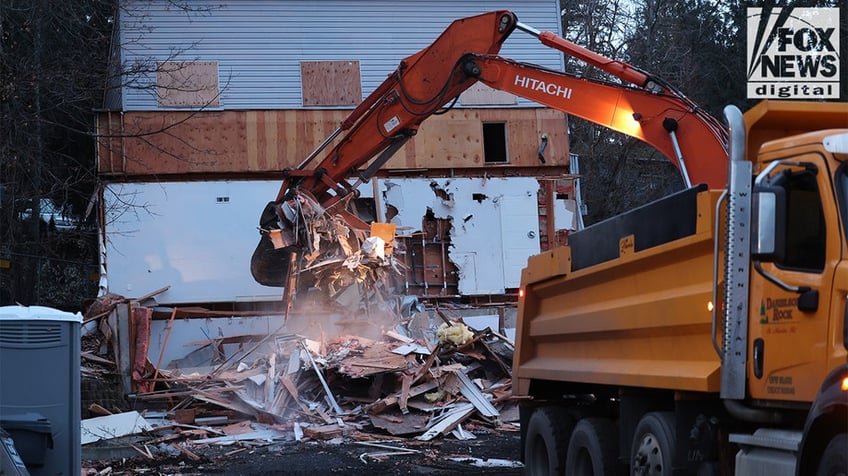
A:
(492, 452)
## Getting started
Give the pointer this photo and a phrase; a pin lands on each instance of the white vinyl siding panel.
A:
(259, 44)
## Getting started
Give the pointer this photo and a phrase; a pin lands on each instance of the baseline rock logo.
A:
(793, 53)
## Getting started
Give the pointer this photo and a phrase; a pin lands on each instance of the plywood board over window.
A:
(187, 83)
(330, 83)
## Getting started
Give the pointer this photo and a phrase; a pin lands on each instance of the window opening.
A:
(494, 143)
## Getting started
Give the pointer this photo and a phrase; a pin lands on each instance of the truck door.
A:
(790, 296)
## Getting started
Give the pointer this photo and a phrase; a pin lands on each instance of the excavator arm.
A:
(421, 85)
(674, 127)
(424, 83)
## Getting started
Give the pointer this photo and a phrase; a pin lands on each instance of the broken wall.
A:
(196, 238)
(494, 225)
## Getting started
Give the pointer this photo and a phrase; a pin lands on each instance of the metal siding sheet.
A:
(259, 44)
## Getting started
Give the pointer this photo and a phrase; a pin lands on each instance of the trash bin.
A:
(10, 461)
(32, 435)
(40, 387)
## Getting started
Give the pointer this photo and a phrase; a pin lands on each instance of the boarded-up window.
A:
(330, 83)
(187, 84)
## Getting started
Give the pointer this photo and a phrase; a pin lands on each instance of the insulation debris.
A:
(456, 334)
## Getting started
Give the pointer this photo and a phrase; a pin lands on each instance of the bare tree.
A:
(52, 56)
(695, 46)
(58, 65)
(619, 172)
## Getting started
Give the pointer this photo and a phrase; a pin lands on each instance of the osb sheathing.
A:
(258, 142)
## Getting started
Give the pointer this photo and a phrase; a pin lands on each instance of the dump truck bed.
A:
(627, 303)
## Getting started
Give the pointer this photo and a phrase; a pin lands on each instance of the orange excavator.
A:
(641, 106)
(703, 333)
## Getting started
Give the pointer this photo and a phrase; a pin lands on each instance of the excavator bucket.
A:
(269, 264)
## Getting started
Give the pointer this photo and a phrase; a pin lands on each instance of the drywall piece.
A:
(480, 323)
(267, 435)
(112, 426)
(565, 217)
(488, 463)
(475, 396)
(447, 421)
(495, 224)
(461, 434)
(407, 349)
(188, 335)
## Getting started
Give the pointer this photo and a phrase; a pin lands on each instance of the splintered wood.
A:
(348, 386)
(424, 378)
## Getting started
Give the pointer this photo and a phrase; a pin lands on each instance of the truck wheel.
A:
(654, 445)
(592, 448)
(545, 441)
(834, 461)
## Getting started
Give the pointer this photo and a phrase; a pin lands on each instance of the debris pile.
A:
(291, 388)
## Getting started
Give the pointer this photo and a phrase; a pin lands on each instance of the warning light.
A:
(520, 293)
(710, 306)
(845, 384)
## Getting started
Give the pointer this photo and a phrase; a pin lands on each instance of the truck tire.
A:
(592, 448)
(654, 445)
(545, 441)
(834, 460)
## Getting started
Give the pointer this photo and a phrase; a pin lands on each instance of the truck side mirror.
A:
(768, 230)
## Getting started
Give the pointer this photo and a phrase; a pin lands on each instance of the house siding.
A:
(259, 44)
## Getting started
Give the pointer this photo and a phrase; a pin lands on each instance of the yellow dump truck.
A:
(706, 332)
